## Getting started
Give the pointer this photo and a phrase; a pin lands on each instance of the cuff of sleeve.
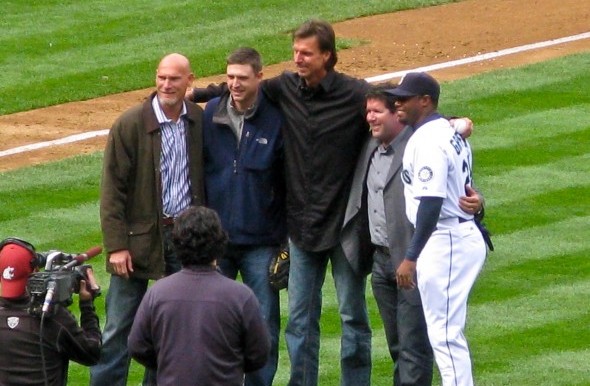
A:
(86, 304)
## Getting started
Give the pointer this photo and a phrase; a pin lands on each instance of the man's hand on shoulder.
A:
(463, 126)
(189, 94)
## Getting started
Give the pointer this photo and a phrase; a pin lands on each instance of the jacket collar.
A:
(221, 115)
(325, 85)
(150, 120)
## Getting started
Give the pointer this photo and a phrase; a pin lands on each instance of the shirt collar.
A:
(384, 148)
(160, 115)
(249, 111)
(324, 85)
(432, 117)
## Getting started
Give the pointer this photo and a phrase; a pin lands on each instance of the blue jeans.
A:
(122, 302)
(306, 278)
(252, 262)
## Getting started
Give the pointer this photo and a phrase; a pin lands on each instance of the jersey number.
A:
(467, 172)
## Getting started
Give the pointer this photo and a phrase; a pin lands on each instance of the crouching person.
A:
(197, 326)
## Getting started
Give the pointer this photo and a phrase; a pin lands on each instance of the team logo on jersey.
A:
(406, 177)
(425, 174)
(13, 321)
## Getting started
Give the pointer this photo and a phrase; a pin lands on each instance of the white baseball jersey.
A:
(437, 163)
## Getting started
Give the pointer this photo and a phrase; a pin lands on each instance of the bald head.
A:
(179, 61)
(173, 77)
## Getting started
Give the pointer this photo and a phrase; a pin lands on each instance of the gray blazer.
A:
(355, 237)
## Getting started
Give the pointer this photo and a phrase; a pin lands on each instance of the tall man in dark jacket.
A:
(376, 233)
(244, 180)
(152, 171)
(21, 360)
(324, 131)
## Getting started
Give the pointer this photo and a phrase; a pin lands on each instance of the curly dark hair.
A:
(198, 236)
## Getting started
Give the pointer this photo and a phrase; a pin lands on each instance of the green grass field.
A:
(528, 320)
(55, 51)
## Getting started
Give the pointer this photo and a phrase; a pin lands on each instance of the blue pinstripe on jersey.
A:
(173, 162)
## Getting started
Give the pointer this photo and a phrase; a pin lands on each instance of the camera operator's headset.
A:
(26, 245)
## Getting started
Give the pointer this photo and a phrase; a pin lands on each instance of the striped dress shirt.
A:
(173, 161)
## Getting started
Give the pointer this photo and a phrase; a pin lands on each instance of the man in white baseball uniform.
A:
(447, 250)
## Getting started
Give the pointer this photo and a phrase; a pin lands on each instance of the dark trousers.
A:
(405, 327)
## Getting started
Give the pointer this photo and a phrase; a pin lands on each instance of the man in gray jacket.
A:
(376, 233)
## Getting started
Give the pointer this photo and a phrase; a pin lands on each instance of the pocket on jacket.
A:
(259, 155)
(141, 243)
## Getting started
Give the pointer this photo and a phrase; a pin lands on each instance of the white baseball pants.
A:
(446, 270)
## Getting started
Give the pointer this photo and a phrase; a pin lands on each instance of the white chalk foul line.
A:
(378, 78)
(61, 141)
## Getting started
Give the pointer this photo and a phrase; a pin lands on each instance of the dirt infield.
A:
(397, 41)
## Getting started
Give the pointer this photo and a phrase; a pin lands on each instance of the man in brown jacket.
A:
(152, 171)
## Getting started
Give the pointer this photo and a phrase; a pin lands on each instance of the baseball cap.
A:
(15, 267)
(416, 83)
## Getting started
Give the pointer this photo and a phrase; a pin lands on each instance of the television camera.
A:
(61, 279)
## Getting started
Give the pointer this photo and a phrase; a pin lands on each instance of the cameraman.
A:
(21, 359)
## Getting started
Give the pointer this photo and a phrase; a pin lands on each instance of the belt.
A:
(383, 250)
(167, 221)
(451, 221)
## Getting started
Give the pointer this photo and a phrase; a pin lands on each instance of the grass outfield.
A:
(56, 51)
(528, 315)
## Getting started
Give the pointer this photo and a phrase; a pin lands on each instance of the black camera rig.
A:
(61, 279)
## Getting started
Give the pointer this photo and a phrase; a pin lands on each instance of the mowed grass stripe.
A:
(66, 228)
(538, 308)
(74, 171)
(511, 93)
(561, 368)
(567, 237)
(497, 352)
(528, 277)
(521, 183)
(535, 151)
(529, 211)
(527, 128)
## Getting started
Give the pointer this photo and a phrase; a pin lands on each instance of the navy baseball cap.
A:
(416, 83)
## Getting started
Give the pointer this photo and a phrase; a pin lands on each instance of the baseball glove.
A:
(278, 270)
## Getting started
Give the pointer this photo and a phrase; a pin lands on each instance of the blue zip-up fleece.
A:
(245, 183)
